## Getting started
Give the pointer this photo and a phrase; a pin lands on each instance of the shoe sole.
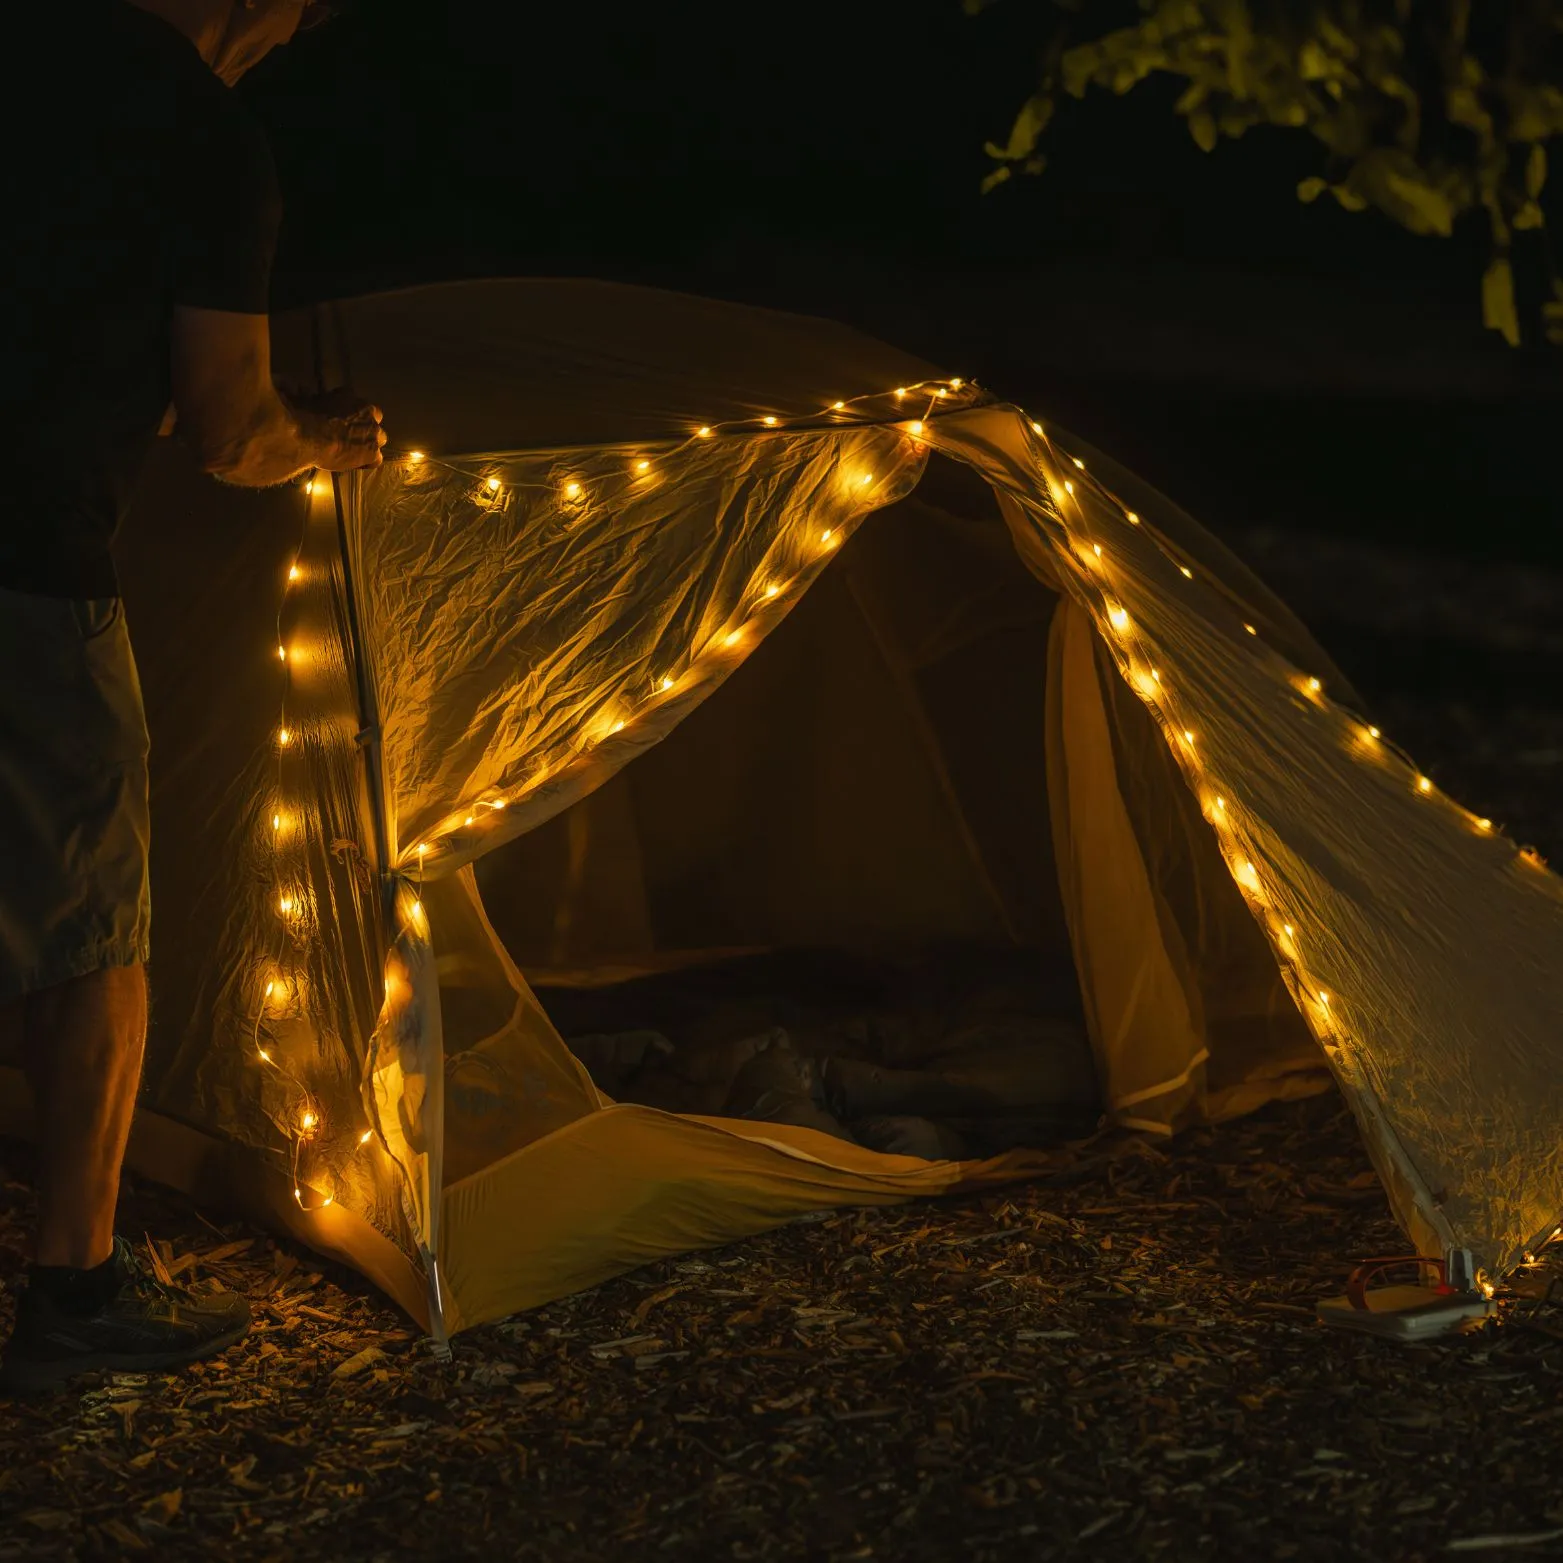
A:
(33, 1377)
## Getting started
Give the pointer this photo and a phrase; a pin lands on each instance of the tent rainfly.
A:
(675, 626)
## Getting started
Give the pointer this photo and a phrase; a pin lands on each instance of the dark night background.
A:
(1266, 363)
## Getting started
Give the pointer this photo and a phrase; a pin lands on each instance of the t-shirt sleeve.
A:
(227, 211)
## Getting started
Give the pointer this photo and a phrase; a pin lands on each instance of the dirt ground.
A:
(1120, 1362)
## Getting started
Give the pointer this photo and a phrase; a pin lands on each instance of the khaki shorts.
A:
(75, 895)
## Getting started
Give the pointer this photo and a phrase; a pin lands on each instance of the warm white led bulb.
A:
(915, 427)
(1373, 732)
(572, 490)
(1133, 519)
(1314, 686)
(1080, 464)
(1186, 573)
(284, 737)
(1069, 487)
(769, 421)
(415, 456)
(839, 406)
(493, 485)
(363, 1139)
(282, 653)
(667, 682)
(704, 431)
(1424, 784)
(293, 572)
(772, 589)
(643, 466)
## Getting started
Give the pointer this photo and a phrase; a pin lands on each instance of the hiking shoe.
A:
(145, 1326)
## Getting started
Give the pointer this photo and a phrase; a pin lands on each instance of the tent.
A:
(674, 627)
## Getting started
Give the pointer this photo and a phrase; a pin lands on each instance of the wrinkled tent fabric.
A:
(622, 495)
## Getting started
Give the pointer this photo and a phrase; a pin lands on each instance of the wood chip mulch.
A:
(1125, 1366)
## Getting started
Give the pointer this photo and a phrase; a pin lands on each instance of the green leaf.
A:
(1312, 188)
(1498, 308)
(1394, 182)
(995, 179)
(1535, 172)
(1202, 126)
(1348, 198)
(1029, 124)
(1529, 216)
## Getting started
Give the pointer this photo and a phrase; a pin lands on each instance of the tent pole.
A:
(374, 776)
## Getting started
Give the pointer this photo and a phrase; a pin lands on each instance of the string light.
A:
(493, 485)
(423, 848)
(309, 487)
(643, 466)
(1036, 428)
(1134, 520)
(769, 421)
(285, 905)
(284, 737)
(282, 653)
(1484, 824)
(1314, 686)
(704, 431)
(1185, 572)
(276, 822)
(1080, 464)
(838, 406)
(772, 589)
(469, 819)
(667, 682)
(1374, 733)
(1118, 618)
(363, 1139)
(294, 572)
(1424, 784)
(915, 428)
(828, 537)
(1251, 630)
(900, 391)
(1069, 487)
(414, 457)
(572, 490)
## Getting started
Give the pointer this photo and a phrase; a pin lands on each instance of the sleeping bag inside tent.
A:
(721, 768)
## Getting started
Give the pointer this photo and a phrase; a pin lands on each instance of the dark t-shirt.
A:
(139, 184)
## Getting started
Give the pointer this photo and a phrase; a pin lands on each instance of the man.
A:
(144, 212)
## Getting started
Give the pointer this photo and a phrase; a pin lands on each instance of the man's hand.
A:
(344, 425)
(231, 414)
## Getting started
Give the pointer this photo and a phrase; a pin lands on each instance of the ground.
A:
(1122, 1361)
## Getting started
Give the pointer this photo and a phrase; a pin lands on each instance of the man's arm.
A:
(229, 412)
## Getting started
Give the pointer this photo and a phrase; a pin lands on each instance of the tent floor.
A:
(951, 1053)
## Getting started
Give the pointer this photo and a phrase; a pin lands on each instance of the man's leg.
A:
(82, 1043)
